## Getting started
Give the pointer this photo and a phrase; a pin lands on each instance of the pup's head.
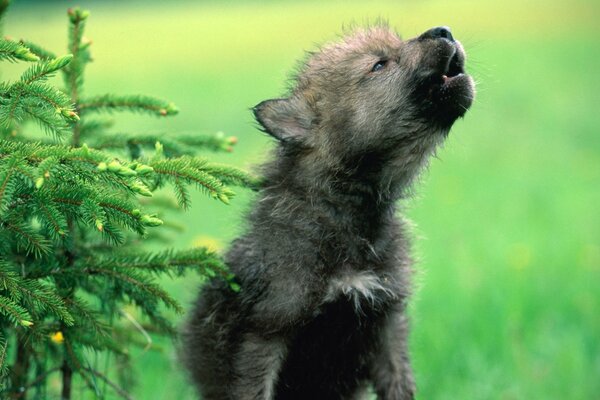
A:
(373, 94)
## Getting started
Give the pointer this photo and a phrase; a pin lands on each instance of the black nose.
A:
(437, 33)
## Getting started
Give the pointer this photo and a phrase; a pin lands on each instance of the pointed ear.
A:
(285, 119)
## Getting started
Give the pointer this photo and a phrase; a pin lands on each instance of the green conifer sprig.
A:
(34, 294)
(194, 171)
(37, 50)
(31, 98)
(173, 145)
(170, 262)
(15, 313)
(74, 73)
(90, 322)
(45, 69)
(134, 103)
(3, 352)
(13, 51)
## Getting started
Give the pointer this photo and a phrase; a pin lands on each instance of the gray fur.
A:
(324, 265)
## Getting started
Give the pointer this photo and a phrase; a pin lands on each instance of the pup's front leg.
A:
(256, 367)
(391, 371)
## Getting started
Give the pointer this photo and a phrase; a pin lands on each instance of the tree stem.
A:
(20, 370)
(67, 379)
(67, 371)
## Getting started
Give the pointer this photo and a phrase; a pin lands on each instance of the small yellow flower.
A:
(210, 243)
(57, 337)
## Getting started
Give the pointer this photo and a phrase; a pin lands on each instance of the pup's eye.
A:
(379, 65)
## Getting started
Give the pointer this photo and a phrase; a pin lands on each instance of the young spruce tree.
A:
(72, 215)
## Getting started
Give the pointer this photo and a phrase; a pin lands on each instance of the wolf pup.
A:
(324, 265)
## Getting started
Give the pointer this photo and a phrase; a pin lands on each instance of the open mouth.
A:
(450, 72)
(454, 69)
(449, 90)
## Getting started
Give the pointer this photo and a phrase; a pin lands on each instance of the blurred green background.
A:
(507, 220)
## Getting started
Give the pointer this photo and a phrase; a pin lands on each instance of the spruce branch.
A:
(53, 99)
(29, 98)
(7, 182)
(46, 299)
(27, 239)
(136, 285)
(87, 318)
(53, 220)
(231, 175)
(37, 50)
(45, 69)
(182, 194)
(189, 170)
(3, 365)
(117, 389)
(173, 145)
(169, 262)
(9, 281)
(14, 312)
(133, 103)
(52, 123)
(13, 51)
(216, 142)
(74, 73)
(10, 107)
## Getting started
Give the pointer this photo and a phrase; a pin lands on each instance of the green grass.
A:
(507, 304)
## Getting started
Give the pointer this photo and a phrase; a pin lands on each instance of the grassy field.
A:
(507, 218)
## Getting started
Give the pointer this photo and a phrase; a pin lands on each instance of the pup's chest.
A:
(364, 290)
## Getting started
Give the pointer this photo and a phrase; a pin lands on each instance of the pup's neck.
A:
(356, 199)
